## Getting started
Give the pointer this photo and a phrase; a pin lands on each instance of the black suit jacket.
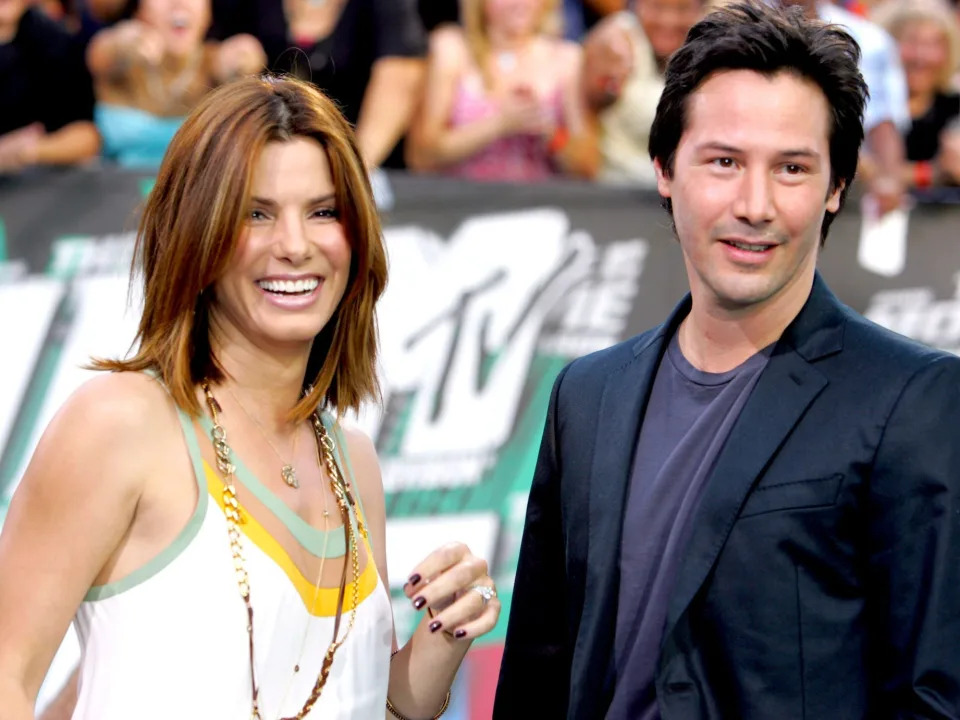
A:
(822, 576)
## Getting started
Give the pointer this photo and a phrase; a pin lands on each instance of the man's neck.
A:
(717, 339)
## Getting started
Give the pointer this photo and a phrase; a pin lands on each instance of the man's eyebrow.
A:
(799, 152)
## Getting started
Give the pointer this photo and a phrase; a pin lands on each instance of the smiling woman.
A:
(226, 533)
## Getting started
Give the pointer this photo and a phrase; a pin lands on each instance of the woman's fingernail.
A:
(435, 625)
(419, 602)
(460, 634)
(414, 579)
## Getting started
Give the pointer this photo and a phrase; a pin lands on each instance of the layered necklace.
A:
(231, 509)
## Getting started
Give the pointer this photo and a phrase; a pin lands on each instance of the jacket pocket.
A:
(793, 495)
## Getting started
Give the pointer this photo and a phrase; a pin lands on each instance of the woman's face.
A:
(513, 18)
(666, 23)
(183, 24)
(292, 263)
(924, 52)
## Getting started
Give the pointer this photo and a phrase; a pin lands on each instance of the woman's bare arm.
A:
(69, 514)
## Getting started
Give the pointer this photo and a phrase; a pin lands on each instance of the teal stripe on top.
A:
(308, 536)
(351, 477)
(183, 539)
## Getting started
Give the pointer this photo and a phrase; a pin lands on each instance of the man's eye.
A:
(724, 162)
(794, 169)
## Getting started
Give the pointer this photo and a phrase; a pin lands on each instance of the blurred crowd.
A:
(500, 90)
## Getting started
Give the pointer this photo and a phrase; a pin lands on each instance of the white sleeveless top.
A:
(170, 640)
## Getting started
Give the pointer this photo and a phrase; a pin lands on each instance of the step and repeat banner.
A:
(493, 289)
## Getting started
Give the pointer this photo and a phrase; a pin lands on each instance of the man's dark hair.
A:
(751, 36)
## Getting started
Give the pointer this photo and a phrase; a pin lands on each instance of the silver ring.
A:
(486, 592)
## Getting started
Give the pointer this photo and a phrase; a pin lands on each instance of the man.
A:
(753, 510)
(625, 56)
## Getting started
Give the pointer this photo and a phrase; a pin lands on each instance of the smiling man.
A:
(751, 511)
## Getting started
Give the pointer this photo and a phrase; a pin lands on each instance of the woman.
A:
(216, 534)
(626, 55)
(929, 41)
(151, 70)
(503, 98)
(367, 55)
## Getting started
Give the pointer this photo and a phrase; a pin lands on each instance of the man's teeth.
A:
(748, 246)
(292, 287)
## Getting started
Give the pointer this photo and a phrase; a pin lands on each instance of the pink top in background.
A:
(518, 158)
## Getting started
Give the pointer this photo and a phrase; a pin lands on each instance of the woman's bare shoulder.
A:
(115, 414)
(449, 44)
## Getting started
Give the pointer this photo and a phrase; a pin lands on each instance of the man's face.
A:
(750, 187)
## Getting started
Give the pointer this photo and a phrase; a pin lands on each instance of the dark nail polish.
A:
(414, 579)
(419, 603)
(460, 634)
(435, 625)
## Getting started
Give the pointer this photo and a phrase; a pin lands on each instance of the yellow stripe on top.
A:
(325, 604)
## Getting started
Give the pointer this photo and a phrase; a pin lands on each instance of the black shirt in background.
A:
(43, 76)
(341, 63)
(923, 139)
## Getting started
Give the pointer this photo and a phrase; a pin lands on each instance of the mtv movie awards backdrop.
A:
(492, 290)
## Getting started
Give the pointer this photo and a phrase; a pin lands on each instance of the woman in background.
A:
(503, 98)
(151, 70)
(215, 533)
(929, 40)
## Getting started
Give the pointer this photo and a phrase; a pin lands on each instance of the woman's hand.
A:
(238, 56)
(138, 42)
(455, 585)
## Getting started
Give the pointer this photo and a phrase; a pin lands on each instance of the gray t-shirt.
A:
(687, 421)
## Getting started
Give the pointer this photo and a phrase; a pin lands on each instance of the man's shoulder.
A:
(598, 365)
(889, 354)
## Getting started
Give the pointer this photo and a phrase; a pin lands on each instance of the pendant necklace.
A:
(288, 473)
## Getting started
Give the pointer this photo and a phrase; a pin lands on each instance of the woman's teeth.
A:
(289, 287)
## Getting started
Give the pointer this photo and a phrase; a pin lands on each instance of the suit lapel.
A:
(622, 406)
(783, 392)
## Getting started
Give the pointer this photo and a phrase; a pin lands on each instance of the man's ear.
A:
(833, 199)
(664, 181)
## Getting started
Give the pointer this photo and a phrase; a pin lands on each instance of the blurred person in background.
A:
(886, 115)
(152, 69)
(929, 39)
(367, 55)
(625, 57)
(503, 100)
(579, 16)
(46, 100)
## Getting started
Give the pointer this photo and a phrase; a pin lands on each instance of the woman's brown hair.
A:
(195, 215)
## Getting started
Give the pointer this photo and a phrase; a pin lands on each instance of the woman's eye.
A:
(257, 215)
(326, 213)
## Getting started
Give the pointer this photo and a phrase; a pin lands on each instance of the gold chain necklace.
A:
(231, 511)
(287, 472)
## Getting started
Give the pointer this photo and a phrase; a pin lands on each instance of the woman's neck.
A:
(270, 381)
(501, 42)
(920, 103)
